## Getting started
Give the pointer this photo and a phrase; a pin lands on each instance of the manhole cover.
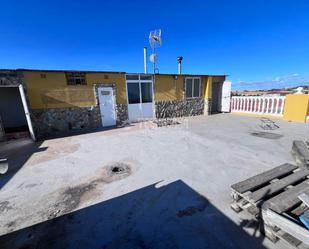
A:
(267, 135)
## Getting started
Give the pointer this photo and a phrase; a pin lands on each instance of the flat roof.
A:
(97, 71)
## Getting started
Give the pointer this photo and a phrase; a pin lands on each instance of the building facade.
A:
(61, 101)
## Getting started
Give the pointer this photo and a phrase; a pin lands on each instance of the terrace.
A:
(139, 186)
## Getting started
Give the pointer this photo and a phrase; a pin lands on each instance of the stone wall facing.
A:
(11, 78)
(122, 114)
(207, 107)
(179, 108)
(47, 122)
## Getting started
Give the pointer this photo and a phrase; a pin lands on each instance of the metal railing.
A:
(268, 105)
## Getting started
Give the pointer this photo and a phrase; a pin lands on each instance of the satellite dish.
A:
(155, 38)
(153, 58)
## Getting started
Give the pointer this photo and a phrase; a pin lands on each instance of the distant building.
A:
(278, 92)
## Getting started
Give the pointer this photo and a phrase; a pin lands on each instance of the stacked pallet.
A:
(272, 198)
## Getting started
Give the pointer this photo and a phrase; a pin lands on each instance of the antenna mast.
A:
(155, 40)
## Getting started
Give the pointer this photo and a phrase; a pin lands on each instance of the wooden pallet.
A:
(277, 191)
(250, 194)
(286, 228)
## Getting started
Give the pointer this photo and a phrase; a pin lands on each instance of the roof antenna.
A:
(155, 40)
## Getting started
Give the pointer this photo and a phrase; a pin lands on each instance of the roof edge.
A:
(98, 71)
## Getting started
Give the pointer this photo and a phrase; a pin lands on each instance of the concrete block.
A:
(4, 165)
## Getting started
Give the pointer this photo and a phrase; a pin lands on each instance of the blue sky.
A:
(258, 43)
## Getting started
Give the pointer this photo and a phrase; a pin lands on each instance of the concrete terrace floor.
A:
(174, 192)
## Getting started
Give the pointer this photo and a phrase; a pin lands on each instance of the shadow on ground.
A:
(170, 216)
(17, 152)
(78, 132)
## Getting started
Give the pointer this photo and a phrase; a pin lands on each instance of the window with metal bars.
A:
(76, 78)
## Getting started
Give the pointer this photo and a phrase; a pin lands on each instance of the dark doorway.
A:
(216, 97)
(12, 115)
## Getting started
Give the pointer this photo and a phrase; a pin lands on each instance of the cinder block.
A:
(300, 153)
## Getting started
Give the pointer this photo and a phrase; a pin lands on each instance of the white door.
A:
(107, 106)
(140, 99)
(226, 96)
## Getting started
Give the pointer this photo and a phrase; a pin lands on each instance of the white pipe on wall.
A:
(145, 60)
(25, 105)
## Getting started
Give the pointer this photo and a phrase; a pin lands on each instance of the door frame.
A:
(140, 81)
(96, 91)
(112, 89)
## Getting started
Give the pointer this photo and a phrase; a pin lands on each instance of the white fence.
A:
(269, 105)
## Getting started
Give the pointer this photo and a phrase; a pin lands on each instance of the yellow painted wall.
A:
(167, 88)
(210, 80)
(296, 107)
(53, 91)
(208, 87)
(116, 78)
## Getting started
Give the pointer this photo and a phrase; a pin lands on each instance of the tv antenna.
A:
(155, 40)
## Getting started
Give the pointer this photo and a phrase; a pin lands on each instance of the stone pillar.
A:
(207, 107)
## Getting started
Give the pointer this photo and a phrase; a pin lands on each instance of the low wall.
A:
(47, 122)
(180, 108)
(259, 105)
(50, 121)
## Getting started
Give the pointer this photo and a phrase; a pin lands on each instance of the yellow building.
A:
(296, 107)
(62, 100)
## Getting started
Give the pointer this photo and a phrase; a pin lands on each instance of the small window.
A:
(76, 78)
(132, 77)
(146, 77)
(43, 76)
(193, 87)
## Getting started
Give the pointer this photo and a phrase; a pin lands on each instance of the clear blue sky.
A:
(259, 43)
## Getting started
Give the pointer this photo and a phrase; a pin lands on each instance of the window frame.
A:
(192, 87)
(71, 78)
(140, 81)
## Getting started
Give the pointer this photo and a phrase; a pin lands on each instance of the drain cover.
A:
(119, 168)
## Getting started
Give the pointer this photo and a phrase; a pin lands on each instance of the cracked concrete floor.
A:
(174, 193)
